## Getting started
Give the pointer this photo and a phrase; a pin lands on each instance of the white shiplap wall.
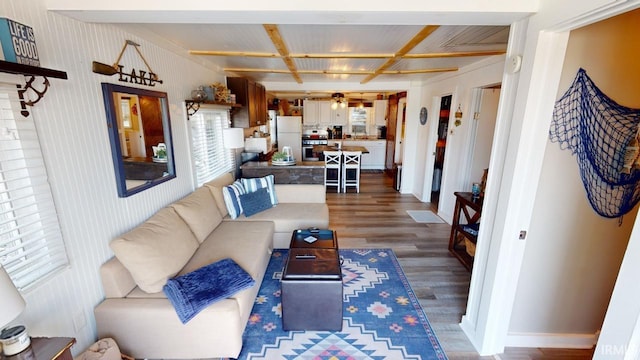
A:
(72, 126)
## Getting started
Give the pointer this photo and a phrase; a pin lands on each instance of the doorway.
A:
(441, 145)
(568, 231)
(486, 100)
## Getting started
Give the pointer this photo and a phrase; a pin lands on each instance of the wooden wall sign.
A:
(140, 77)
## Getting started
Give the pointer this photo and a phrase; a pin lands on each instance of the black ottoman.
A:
(312, 290)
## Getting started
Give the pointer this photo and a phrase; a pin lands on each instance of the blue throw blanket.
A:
(191, 293)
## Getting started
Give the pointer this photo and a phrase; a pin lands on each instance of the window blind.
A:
(210, 158)
(31, 243)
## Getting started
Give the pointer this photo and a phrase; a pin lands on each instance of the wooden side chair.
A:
(332, 171)
(351, 170)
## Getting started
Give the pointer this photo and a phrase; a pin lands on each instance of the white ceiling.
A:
(335, 40)
(327, 36)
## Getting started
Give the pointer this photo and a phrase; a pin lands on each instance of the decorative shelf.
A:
(32, 72)
(14, 68)
(194, 106)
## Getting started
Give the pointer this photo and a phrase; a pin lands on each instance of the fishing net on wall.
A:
(604, 137)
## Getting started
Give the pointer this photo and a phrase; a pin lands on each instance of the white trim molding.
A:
(547, 340)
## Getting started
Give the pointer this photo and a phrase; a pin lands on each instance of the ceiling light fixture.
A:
(361, 104)
(338, 99)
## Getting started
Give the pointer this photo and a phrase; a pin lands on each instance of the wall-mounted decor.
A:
(18, 43)
(423, 115)
(140, 135)
(31, 72)
(602, 134)
(19, 55)
(139, 77)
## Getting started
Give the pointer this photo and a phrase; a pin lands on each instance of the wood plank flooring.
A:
(377, 218)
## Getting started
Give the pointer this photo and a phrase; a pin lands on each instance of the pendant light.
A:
(361, 104)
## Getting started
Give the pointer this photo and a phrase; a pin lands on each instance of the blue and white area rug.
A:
(382, 318)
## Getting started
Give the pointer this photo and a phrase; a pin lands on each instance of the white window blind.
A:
(31, 244)
(210, 158)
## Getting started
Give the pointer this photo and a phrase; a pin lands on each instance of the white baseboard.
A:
(546, 340)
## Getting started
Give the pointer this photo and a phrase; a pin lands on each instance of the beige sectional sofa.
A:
(182, 237)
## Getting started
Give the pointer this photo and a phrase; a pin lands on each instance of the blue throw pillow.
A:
(231, 194)
(255, 202)
(191, 293)
(253, 184)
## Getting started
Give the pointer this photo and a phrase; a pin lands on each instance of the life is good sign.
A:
(18, 43)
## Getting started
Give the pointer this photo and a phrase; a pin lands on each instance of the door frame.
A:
(400, 120)
(522, 125)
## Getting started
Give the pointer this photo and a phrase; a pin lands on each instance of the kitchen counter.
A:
(321, 148)
(267, 164)
(303, 172)
(359, 139)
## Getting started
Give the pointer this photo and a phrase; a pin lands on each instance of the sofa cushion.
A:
(193, 292)
(156, 250)
(255, 202)
(216, 186)
(231, 195)
(300, 193)
(289, 217)
(265, 182)
(200, 212)
(248, 243)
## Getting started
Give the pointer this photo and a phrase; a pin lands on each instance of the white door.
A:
(136, 144)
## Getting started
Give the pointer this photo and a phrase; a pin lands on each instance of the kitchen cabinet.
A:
(380, 112)
(310, 112)
(319, 112)
(324, 113)
(339, 116)
(375, 159)
(253, 98)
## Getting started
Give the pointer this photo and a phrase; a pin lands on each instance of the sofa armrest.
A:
(116, 279)
(301, 193)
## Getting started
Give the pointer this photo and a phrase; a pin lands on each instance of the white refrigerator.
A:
(289, 130)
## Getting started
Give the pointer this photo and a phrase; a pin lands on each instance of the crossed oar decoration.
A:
(116, 68)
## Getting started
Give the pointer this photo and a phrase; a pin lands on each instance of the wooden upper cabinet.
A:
(253, 98)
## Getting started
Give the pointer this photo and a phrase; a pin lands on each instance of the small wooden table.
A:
(461, 231)
(42, 348)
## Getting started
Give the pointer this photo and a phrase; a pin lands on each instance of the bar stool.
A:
(351, 163)
(332, 162)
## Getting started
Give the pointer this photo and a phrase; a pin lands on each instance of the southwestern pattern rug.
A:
(382, 318)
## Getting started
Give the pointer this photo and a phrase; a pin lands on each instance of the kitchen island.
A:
(303, 172)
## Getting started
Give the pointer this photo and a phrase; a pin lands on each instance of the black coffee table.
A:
(324, 239)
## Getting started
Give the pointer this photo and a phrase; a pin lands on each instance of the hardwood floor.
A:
(377, 218)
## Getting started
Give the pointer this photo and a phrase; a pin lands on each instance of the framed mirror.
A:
(140, 136)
